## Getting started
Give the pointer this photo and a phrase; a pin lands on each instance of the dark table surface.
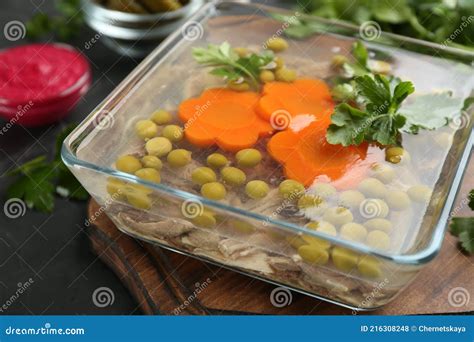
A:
(52, 249)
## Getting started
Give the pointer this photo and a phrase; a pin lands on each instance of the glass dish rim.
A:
(418, 258)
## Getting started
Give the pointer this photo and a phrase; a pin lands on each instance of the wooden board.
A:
(165, 282)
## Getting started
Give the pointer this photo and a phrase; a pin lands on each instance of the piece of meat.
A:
(234, 249)
(167, 228)
(283, 264)
(203, 239)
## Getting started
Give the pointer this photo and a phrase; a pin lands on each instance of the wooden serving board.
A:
(168, 283)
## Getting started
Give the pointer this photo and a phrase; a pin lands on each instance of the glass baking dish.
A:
(263, 239)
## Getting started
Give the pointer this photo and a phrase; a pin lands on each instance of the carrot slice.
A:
(307, 157)
(237, 139)
(200, 135)
(225, 118)
(301, 97)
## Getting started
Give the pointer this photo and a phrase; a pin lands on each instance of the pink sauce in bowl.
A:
(41, 83)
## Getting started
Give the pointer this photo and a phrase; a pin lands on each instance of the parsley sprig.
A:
(38, 180)
(228, 64)
(378, 119)
(374, 109)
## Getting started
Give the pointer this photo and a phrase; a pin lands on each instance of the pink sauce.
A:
(48, 79)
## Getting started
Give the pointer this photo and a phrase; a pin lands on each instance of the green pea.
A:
(214, 191)
(146, 129)
(149, 174)
(206, 219)
(248, 157)
(369, 266)
(291, 189)
(394, 151)
(241, 51)
(326, 228)
(179, 158)
(128, 164)
(238, 86)
(314, 254)
(354, 232)
(279, 62)
(242, 226)
(344, 259)
(277, 44)
(295, 241)
(419, 193)
(378, 239)
(267, 76)
(323, 227)
(203, 175)
(351, 198)
(372, 187)
(138, 199)
(397, 200)
(134, 188)
(257, 189)
(217, 160)
(158, 146)
(285, 75)
(309, 201)
(115, 187)
(161, 117)
(338, 60)
(173, 133)
(384, 173)
(396, 154)
(338, 215)
(379, 224)
(152, 161)
(233, 176)
(323, 190)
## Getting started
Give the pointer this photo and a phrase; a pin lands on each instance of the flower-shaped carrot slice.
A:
(225, 118)
(302, 97)
(307, 157)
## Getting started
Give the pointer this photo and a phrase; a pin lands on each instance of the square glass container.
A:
(263, 240)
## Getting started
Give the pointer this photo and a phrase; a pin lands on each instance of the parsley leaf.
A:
(375, 91)
(378, 120)
(39, 179)
(227, 63)
(35, 186)
(463, 228)
(431, 111)
(348, 126)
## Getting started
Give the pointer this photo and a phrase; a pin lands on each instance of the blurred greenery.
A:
(449, 22)
(64, 25)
